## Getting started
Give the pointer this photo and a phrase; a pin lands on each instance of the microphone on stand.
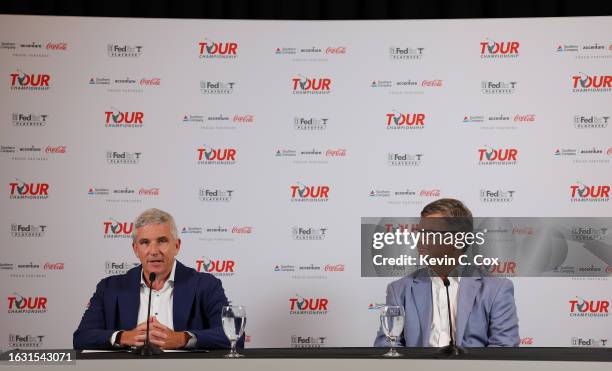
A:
(451, 349)
(148, 349)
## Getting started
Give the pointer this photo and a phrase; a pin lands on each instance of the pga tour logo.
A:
(397, 120)
(304, 85)
(20, 80)
(579, 192)
(503, 49)
(209, 49)
(118, 119)
(304, 193)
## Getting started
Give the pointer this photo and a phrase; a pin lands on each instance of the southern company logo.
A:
(209, 49)
(504, 49)
(29, 81)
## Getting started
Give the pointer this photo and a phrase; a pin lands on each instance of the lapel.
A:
(183, 296)
(421, 292)
(468, 288)
(128, 299)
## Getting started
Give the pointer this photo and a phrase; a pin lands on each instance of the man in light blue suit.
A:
(483, 312)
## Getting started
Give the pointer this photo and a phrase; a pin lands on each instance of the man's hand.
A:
(135, 337)
(165, 338)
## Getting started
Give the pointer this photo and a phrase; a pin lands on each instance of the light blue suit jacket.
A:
(486, 313)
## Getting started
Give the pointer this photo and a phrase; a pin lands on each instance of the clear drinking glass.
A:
(392, 323)
(234, 320)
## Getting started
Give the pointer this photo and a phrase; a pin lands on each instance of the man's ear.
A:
(135, 249)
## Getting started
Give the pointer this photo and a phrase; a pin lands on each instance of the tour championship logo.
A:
(118, 119)
(216, 267)
(405, 121)
(404, 159)
(496, 196)
(406, 53)
(311, 86)
(591, 121)
(216, 195)
(585, 83)
(124, 51)
(18, 304)
(18, 341)
(309, 233)
(28, 119)
(580, 308)
(216, 156)
(580, 192)
(310, 123)
(489, 156)
(114, 229)
(307, 341)
(209, 49)
(302, 306)
(498, 87)
(28, 230)
(217, 87)
(305, 193)
(123, 158)
(20, 190)
(114, 268)
(504, 49)
(20, 80)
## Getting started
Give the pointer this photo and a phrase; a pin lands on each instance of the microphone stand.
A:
(148, 349)
(451, 350)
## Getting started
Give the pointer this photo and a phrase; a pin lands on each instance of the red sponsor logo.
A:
(57, 46)
(334, 267)
(580, 305)
(22, 79)
(301, 191)
(306, 304)
(53, 266)
(29, 189)
(430, 193)
(55, 149)
(396, 118)
(507, 267)
(212, 48)
(22, 303)
(527, 341)
(302, 83)
(113, 118)
(114, 229)
(595, 81)
(335, 152)
(524, 118)
(432, 83)
(244, 119)
(215, 266)
(336, 50)
(580, 190)
(242, 230)
(498, 155)
(156, 81)
(504, 47)
(216, 154)
(148, 191)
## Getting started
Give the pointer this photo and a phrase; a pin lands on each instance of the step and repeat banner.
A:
(269, 141)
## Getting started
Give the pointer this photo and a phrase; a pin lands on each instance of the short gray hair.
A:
(154, 216)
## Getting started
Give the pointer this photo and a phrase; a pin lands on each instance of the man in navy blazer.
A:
(483, 311)
(186, 305)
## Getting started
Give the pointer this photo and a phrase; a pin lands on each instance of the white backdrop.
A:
(56, 247)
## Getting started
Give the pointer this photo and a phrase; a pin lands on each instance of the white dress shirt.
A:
(161, 306)
(439, 335)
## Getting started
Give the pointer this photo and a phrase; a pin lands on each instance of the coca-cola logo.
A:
(430, 193)
(432, 83)
(334, 267)
(336, 50)
(148, 191)
(527, 341)
(57, 46)
(53, 266)
(156, 81)
(524, 118)
(244, 118)
(242, 230)
(335, 152)
(55, 149)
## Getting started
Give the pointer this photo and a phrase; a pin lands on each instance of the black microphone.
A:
(451, 349)
(149, 349)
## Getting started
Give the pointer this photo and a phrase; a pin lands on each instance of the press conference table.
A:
(349, 359)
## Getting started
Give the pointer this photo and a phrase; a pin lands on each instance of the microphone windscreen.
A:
(152, 276)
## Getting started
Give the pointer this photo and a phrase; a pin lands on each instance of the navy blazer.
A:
(197, 302)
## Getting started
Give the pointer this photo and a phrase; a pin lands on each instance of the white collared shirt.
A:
(161, 305)
(439, 335)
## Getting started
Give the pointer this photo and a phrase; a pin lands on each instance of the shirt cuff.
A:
(113, 337)
(193, 340)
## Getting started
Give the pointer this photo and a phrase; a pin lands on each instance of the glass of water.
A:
(234, 320)
(392, 323)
